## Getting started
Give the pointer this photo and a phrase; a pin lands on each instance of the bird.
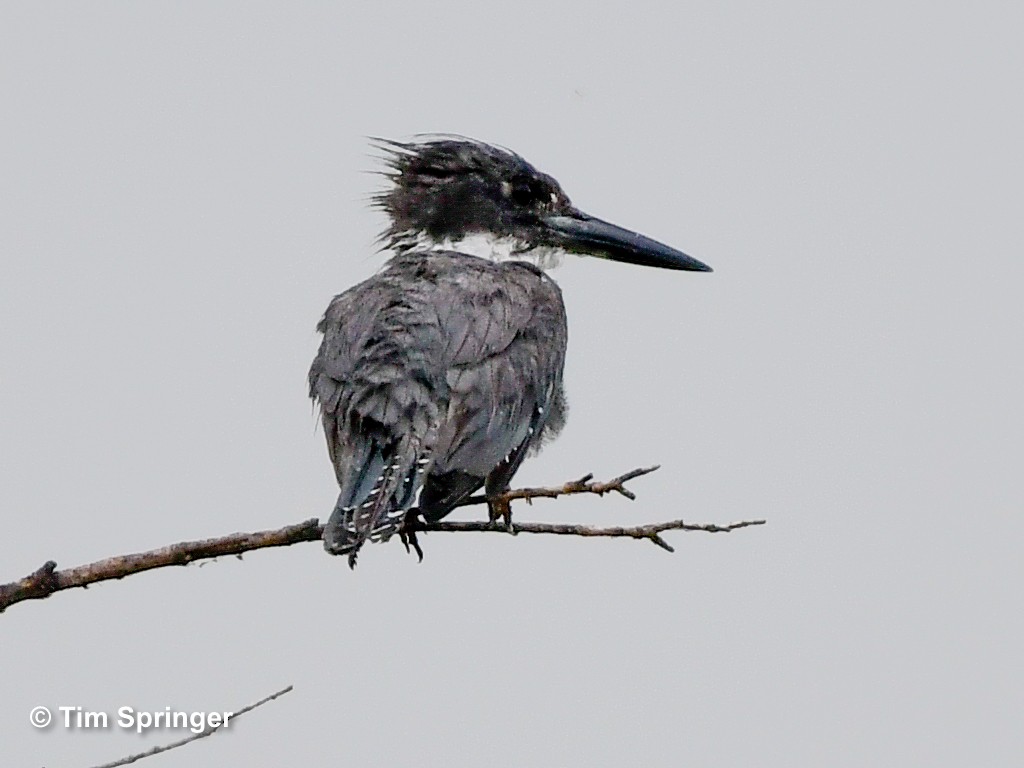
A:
(440, 374)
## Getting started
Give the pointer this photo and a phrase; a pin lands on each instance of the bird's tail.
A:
(380, 513)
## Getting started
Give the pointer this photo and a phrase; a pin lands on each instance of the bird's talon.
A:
(407, 533)
(499, 511)
(414, 542)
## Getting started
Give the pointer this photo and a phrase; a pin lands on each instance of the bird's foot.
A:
(407, 533)
(499, 510)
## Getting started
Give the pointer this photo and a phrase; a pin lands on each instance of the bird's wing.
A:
(379, 384)
(502, 381)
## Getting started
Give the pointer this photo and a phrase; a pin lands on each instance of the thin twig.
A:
(47, 579)
(194, 737)
(585, 484)
(652, 531)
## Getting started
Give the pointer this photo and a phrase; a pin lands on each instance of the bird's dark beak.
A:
(580, 233)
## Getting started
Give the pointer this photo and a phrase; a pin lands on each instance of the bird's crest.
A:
(448, 190)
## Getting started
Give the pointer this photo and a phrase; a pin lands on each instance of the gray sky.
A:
(181, 193)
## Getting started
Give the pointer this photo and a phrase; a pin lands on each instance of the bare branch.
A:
(652, 531)
(209, 730)
(585, 484)
(47, 579)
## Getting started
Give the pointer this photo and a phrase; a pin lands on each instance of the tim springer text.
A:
(131, 719)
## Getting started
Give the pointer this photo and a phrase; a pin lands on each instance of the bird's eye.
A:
(526, 190)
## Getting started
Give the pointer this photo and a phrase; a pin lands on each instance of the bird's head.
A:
(448, 190)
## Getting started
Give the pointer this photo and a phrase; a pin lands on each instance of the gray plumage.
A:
(435, 372)
(441, 373)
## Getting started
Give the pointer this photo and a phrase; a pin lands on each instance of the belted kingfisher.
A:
(441, 373)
